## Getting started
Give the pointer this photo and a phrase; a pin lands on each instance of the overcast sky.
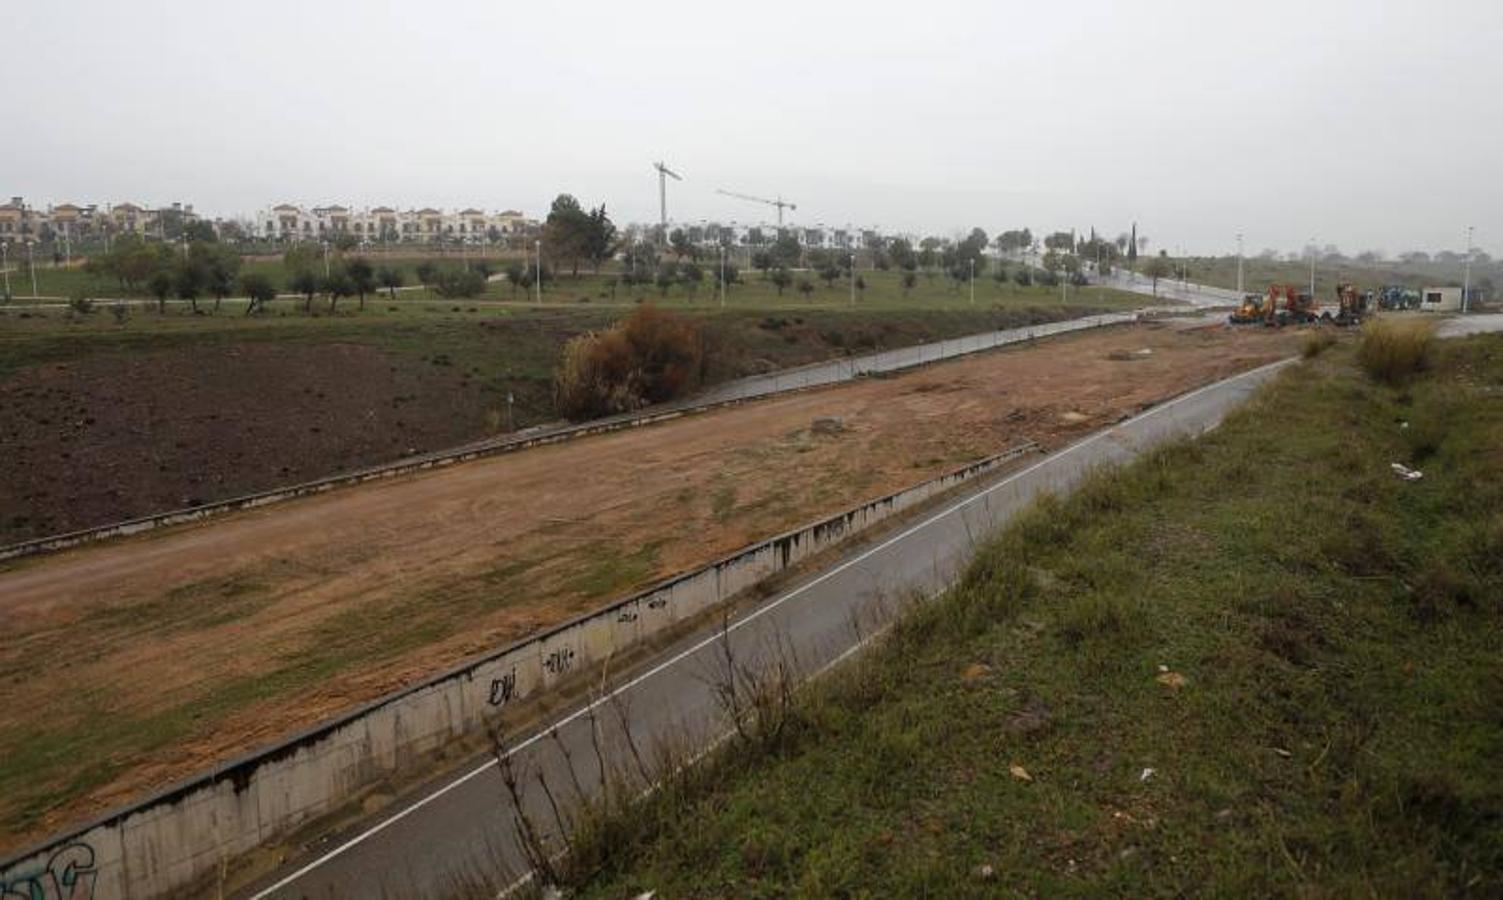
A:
(1371, 124)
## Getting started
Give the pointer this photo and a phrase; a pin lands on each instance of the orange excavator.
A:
(1298, 307)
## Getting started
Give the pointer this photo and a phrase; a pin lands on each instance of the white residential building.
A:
(289, 222)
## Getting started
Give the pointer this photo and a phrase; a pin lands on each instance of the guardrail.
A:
(176, 839)
(739, 391)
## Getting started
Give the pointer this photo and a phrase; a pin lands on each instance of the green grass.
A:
(514, 346)
(1259, 273)
(1395, 351)
(1337, 732)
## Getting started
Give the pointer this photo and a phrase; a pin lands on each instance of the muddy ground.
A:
(99, 426)
(135, 663)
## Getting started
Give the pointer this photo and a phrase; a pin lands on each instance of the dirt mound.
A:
(104, 438)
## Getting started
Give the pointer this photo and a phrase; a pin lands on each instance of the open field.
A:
(1256, 664)
(104, 420)
(202, 642)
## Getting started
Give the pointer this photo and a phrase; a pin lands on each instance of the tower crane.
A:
(780, 203)
(664, 173)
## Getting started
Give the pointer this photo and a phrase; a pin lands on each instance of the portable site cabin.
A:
(1440, 299)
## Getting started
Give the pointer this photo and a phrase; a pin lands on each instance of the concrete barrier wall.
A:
(182, 836)
(738, 391)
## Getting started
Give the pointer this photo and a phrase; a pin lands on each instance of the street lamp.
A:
(1314, 251)
(1466, 282)
(5, 266)
(537, 276)
(1239, 262)
(972, 263)
(32, 264)
(853, 277)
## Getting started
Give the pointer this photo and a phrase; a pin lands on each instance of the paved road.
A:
(1471, 324)
(465, 822)
(1199, 295)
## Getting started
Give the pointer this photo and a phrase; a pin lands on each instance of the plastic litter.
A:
(1405, 472)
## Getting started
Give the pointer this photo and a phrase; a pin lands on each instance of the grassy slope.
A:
(1259, 273)
(449, 330)
(1338, 731)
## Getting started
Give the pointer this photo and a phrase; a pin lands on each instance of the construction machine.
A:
(1396, 296)
(1250, 312)
(1299, 307)
(1283, 305)
(1351, 305)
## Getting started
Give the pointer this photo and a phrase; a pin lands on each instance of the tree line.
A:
(206, 269)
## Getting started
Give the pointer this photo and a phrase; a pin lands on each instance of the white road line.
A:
(746, 620)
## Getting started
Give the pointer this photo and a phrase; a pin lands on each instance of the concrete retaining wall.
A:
(738, 391)
(183, 835)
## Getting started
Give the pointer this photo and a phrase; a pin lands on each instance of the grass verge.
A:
(1255, 664)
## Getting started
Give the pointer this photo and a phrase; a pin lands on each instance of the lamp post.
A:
(537, 276)
(722, 274)
(1239, 262)
(1466, 281)
(5, 266)
(853, 277)
(326, 259)
(1314, 251)
(972, 264)
(31, 263)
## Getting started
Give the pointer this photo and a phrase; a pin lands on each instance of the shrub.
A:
(1393, 352)
(1316, 343)
(651, 356)
(454, 283)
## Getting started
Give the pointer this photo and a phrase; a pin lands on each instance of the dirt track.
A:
(135, 663)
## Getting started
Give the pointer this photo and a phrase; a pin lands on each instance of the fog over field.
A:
(1369, 126)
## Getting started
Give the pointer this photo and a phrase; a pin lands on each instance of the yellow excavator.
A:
(1298, 307)
(1254, 309)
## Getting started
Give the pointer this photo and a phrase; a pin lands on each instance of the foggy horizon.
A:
(1359, 128)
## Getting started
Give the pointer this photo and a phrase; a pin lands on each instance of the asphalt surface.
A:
(465, 823)
(1471, 324)
(1198, 295)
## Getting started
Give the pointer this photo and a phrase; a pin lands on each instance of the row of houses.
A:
(21, 222)
(289, 222)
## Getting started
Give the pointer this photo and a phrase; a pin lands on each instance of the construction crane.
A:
(780, 203)
(664, 173)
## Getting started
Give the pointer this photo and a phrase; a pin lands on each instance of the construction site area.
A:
(135, 663)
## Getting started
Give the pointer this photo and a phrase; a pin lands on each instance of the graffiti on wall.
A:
(69, 875)
(560, 661)
(504, 688)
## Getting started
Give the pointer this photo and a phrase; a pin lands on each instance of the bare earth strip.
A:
(129, 665)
